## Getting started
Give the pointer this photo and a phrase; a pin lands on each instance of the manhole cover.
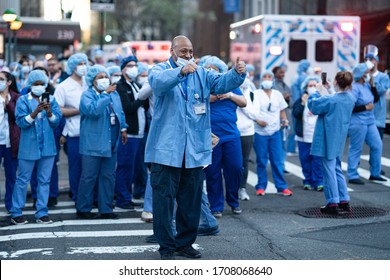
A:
(357, 212)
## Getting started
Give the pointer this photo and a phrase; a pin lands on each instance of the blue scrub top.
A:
(223, 118)
(362, 96)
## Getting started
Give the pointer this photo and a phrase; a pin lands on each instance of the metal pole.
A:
(15, 46)
(101, 29)
(9, 44)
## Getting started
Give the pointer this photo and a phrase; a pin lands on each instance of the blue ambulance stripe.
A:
(268, 66)
(271, 37)
(343, 57)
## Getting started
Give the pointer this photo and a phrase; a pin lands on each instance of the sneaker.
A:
(151, 239)
(320, 188)
(379, 178)
(188, 252)
(306, 187)
(52, 202)
(168, 256)
(217, 214)
(331, 209)
(208, 231)
(20, 220)
(86, 215)
(44, 220)
(286, 192)
(237, 210)
(260, 192)
(357, 181)
(383, 172)
(344, 206)
(147, 217)
(242, 194)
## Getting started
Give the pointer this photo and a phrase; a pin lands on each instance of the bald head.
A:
(179, 40)
(181, 47)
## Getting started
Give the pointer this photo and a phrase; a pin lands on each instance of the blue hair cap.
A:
(74, 60)
(93, 72)
(216, 62)
(307, 80)
(267, 72)
(35, 76)
(303, 65)
(359, 71)
(142, 67)
(113, 69)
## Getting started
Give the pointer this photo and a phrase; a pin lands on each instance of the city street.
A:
(271, 227)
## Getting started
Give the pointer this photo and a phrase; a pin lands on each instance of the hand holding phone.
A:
(45, 97)
(323, 78)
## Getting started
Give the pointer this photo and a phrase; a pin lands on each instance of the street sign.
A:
(103, 5)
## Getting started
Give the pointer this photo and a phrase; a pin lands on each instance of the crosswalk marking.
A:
(366, 174)
(75, 223)
(384, 161)
(75, 234)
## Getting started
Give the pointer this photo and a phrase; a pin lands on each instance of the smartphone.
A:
(45, 97)
(323, 78)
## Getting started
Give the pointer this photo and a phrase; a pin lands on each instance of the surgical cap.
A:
(93, 72)
(37, 75)
(267, 72)
(359, 71)
(307, 80)
(127, 60)
(250, 68)
(142, 67)
(113, 69)
(74, 60)
(303, 65)
(372, 56)
(216, 62)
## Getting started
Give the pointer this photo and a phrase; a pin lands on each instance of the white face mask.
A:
(115, 79)
(3, 85)
(38, 90)
(181, 62)
(132, 72)
(266, 84)
(81, 70)
(102, 84)
(369, 64)
(367, 78)
(142, 80)
(25, 69)
(311, 90)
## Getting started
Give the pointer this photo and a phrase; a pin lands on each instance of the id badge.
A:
(200, 108)
(112, 118)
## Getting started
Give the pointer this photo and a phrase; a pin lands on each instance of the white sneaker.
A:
(147, 217)
(242, 194)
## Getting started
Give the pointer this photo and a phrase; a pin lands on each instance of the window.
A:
(324, 50)
(297, 50)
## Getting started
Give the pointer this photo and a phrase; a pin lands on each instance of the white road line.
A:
(16, 254)
(59, 204)
(74, 234)
(71, 211)
(384, 161)
(75, 223)
(252, 181)
(366, 174)
(297, 171)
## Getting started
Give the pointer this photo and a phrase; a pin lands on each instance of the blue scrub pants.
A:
(358, 134)
(126, 170)
(10, 166)
(269, 146)
(311, 166)
(183, 185)
(148, 199)
(74, 165)
(44, 166)
(100, 170)
(291, 138)
(207, 220)
(227, 156)
(335, 188)
(53, 191)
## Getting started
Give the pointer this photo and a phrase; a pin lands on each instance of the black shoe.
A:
(95, 204)
(136, 204)
(189, 252)
(34, 202)
(20, 220)
(151, 239)
(344, 206)
(356, 181)
(208, 231)
(374, 178)
(44, 220)
(168, 256)
(237, 210)
(383, 172)
(52, 202)
(86, 215)
(330, 209)
(111, 216)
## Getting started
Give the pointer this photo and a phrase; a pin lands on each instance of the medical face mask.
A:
(142, 80)
(132, 72)
(115, 79)
(25, 69)
(369, 64)
(81, 70)
(311, 90)
(38, 90)
(15, 73)
(181, 62)
(367, 78)
(3, 85)
(102, 84)
(266, 84)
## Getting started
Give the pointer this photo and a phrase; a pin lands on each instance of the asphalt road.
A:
(270, 227)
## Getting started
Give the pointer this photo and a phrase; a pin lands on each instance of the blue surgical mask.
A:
(367, 78)
(132, 72)
(3, 85)
(102, 84)
(311, 90)
(16, 73)
(38, 90)
(267, 84)
(81, 70)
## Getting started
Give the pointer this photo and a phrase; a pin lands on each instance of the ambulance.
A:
(330, 43)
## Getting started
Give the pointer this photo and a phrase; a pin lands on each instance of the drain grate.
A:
(357, 212)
